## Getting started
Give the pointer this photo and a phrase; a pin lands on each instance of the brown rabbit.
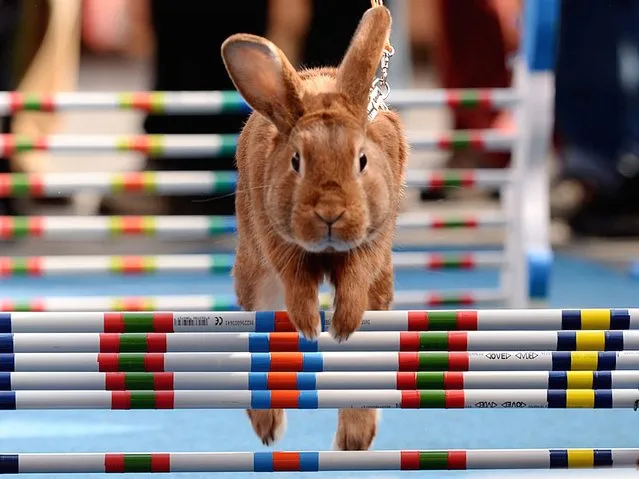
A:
(318, 192)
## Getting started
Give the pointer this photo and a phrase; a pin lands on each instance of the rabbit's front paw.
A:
(356, 429)
(268, 424)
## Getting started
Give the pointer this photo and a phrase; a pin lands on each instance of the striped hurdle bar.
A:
(278, 321)
(324, 399)
(222, 302)
(202, 182)
(308, 461)
(216, 102)
(52, 266)
(71, 228)
(207, 146)
(293, 342)
(403, 380)
(322, 362)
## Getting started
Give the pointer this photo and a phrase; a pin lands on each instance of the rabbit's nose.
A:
(329, 217)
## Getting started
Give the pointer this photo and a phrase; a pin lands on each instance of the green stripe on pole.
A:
(133, 343)
(430, 380)
(442, 320)
(19, 267)
(138, 463)
(225, 181)
(433, 362)
(20, 184)
(432, 399)
(131, 362)
(433, 341)
(138, 322)
(433, 460)
(228, 145)
(221, 264)
(139, 381)
(143, 399)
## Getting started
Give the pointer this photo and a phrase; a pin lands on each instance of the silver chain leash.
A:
(380, 89)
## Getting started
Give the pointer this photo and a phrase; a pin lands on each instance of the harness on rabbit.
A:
(380, 88)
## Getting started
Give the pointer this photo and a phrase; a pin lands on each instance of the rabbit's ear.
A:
(357, 70)
(265, 78)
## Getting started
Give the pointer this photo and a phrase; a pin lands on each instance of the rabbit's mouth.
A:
(330, 244)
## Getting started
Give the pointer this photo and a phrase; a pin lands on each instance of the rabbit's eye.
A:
(295, 162)
(363, 161)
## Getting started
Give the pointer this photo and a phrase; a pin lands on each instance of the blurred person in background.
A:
(9, 18)
(472, 43)
(597, 117)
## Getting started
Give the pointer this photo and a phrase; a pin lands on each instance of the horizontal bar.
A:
(206, 302)
(321, 362)
(457, 178)
(211, 146)
(273, 381)
(316, 461)
(186, 146)
(36, 185)
(85, 228)
(74, 265)
(294, 342)
(325, 399)
(277, 321)
(230, 101)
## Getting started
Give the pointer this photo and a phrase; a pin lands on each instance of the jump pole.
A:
(324, 399)
(278, 321)
(409, 341)
(321, 362)
(447, 380)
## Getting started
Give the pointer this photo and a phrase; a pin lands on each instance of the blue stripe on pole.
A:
(6, 343)
(603, 458)
(557, 380)
(7, 401)
(258, 343)
(257, 381)
(602, 380)
(556, 399)
(308, 400)
(561, 361)
(260, 400)
(566, 340)
(313, 362)
(309, 461)
(619, 319)
(306, 381)
(263, 462)
(264, 321)
(7, 362)
(9, 464)
(558, 458)
(5, 381)
(614, 340)
(571, 319)
(306, 346)
(5, 322)
(607, 361)
(603, 399)
(260, 362)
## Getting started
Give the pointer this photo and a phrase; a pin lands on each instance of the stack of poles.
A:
(188, 228)
(397, 359)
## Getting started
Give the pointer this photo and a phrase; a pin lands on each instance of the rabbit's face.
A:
(331, 192)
